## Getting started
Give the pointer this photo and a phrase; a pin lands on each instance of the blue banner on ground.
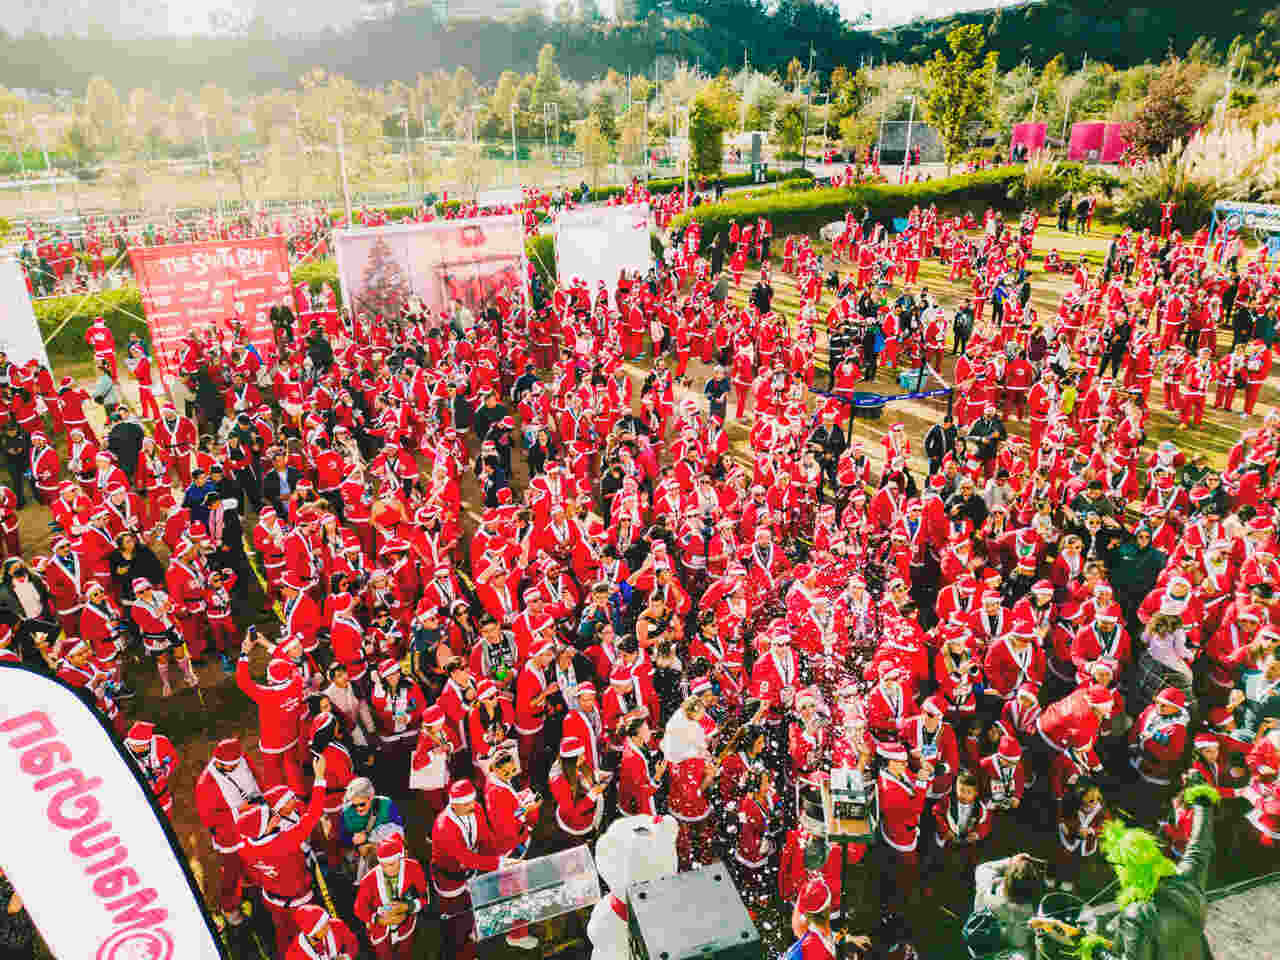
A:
(863, 399)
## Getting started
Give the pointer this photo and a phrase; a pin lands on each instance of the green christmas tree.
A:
(385, 288)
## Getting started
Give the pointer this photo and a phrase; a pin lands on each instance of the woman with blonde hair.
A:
(693, 773)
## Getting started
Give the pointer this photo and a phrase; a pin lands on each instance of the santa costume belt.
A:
(287, 902)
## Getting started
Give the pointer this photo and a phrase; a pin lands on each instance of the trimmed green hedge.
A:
(808, 211)
(541, 250)
(120, 308)
(672, 184)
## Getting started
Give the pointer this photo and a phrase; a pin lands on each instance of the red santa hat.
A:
(935, 705)
(1110, 613)
(585, 689)
(1010, 749)
(1203, 741)
(1173, 697)
(486, 688)
(815, 897)
(572, 747)
(391, 849)
(462, 791)
(700, 686)
(140, 585)
(140, 733)
(311, 919)
(621, 677)
(279, 671)
(388, 667)
(228, 751)
(1099, 697)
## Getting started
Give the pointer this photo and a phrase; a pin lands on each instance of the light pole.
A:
(43, 124)
(906, 156)
(515, 150)
(826, 112)
(551, 122)
(302, 149)
(688, 146)
(808, 90)
(208, 156)
(342, 164)
(408, 157)
(646, 144)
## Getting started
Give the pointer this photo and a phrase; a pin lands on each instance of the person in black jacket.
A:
(938, 442)
(17, 455)
(962, 327)
(489, 413)
(125, 439)
(279, 483)
(762, 294)
(827, 441)
(717, 390)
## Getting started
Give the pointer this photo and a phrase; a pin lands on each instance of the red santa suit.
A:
(377, 892)
(274, 861)
(280, 710)
(220, 796)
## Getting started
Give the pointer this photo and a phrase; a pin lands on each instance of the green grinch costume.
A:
(1164, 906)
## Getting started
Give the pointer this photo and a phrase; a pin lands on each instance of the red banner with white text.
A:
(188, 286)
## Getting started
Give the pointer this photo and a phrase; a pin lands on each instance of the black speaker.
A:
(691, 915)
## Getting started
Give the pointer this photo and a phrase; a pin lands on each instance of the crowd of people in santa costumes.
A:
(647, 624)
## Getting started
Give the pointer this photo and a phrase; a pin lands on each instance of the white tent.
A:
(19, 333)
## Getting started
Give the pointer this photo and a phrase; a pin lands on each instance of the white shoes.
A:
(526, 942)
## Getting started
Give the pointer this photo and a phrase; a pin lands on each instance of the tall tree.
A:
(706, 138)
(105, 112)
(546, 88)
(602, 113)
(959, 89)
(1165, 114)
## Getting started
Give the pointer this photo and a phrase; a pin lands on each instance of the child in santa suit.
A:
(962, 822)
(754, 848)
(1158, 740)
(222, 626)
(1080, 821)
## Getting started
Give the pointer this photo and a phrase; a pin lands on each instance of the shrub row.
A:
(672, 184)
(808, 211)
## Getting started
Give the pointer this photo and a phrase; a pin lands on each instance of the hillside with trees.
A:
(712, 34)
